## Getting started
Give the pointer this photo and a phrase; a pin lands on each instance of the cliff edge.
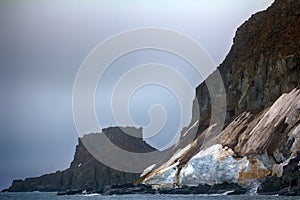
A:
(260, 138)
(86, 172)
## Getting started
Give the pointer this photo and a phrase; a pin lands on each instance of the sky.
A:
(43, 44)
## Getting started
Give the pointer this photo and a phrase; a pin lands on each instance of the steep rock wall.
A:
(86, 172)
(262, 64)
(260, 136)
(249, 148)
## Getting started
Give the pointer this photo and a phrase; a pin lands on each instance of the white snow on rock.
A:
(257, 149)
(165, 177)
(212, 165)
(148, 169)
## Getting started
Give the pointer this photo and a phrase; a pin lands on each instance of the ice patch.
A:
(209, 168)
(165, 177)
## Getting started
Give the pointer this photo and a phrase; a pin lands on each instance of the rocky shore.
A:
(85, 171)
(287, 185)
(130, 188)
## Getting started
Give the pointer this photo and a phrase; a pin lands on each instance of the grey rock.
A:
(85, 172)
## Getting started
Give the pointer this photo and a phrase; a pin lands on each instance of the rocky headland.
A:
(258, 148)
(260, 139)
(86, 172)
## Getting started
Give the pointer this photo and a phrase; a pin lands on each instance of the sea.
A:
(53, 196)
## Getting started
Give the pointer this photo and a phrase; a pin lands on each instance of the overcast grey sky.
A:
(42, 45)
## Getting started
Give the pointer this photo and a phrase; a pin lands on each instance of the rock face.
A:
(262, 64)
(85, 172)
(262, 126)
(260, 139)
(287, 184)
(248, 148)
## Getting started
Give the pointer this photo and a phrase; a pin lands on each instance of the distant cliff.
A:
(85, 172)
(261, 75)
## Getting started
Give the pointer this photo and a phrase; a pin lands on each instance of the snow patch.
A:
(212, 165)
(147, 170)
(164, 177)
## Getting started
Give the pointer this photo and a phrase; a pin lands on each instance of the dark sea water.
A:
(49, 196)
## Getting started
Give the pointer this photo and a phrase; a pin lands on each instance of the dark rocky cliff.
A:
(85, 172)
(262, 64)
(260, 138)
